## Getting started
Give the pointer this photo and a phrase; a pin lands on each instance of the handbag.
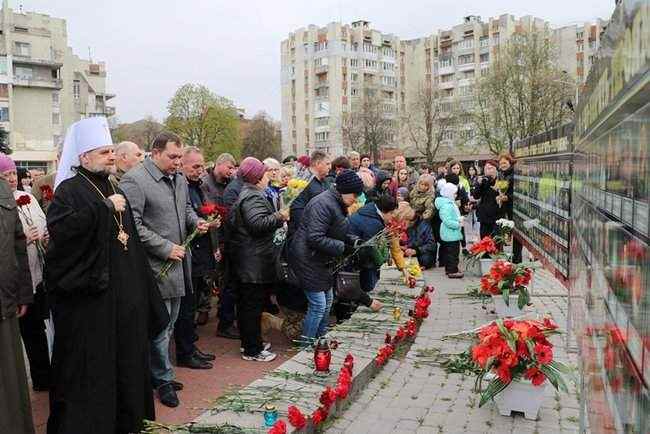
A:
(348, 285)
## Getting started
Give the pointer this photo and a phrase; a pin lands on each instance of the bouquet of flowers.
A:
(211, 212)
(294, 188)
(487, 246)
(22, 202)
(515, 349)
(501, 186)
(506, 278)
(505, 228)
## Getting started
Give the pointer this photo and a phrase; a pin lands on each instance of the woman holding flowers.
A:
(252, 225)
(488, 210)
(32, 326)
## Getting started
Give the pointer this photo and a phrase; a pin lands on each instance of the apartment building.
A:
(325, 69)
(44, 86)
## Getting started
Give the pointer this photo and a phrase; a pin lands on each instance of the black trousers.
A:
(487, 228)
(185, 328)
(32, 330)
(463, 241)
(516, 250)
(251, 299)
(450, 252)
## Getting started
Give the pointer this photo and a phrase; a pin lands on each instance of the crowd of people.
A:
(116, 255)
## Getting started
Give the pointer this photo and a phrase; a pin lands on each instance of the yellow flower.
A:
(414, 269)
(293, 183)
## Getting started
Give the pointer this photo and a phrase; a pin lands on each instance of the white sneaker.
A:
(266, 346)
(263, 356)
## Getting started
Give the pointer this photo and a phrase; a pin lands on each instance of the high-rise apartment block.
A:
(325, 69)
(44, 86)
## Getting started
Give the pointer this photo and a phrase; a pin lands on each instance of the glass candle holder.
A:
(270, 415)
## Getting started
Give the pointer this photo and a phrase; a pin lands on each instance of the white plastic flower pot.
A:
(522, 396)
(486, 264)
(473, 269)
(504, 311)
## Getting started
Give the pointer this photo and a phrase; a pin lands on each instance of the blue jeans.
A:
(161, 366)
(318, 313)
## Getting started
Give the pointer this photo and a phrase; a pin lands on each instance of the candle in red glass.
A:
(322, 356)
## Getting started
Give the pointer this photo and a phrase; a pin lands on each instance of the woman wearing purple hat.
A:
(252, 225)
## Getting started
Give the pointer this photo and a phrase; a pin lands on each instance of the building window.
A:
(21, 29)
(444, 63)
(24, 72)
(321, 122)
(465, 59)
(320, 46)
(484, 41)
(22, 49)
(4, 90)
(76, 89)
(4, 114)
(55, 98)
(56, 118)
(468, 74)
(485, 57)
(466, 43)
(56, 139)
(448, 135)
(354, 92)
(323, 136)
(3, 65)
(495, 39)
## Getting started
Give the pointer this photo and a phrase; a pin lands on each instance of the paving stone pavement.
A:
(411, 397)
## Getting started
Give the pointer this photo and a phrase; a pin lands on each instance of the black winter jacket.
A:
(252, 223)
(488, 210)
(318, 241)
(313, 189)
(506, 209)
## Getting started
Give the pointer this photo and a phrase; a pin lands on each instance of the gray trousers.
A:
(15, 406)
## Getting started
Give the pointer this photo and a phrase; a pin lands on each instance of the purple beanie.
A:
(6, 163)
(252, 170)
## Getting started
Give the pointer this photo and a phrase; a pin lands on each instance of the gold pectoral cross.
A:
(123, 238)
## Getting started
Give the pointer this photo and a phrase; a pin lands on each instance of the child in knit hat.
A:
(421, 197)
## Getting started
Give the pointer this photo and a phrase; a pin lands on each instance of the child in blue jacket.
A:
(450, 229)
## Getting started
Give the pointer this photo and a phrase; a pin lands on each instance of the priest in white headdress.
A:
(104, 300)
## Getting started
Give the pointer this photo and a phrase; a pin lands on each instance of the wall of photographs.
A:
(542, 191)
(609, 267)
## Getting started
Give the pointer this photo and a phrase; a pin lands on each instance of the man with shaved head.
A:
(127, 156)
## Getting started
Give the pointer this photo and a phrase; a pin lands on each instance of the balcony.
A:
(444, 70)
(466, 66)
(53, 83)
(322, 69)
(19, 59)
(447, 84)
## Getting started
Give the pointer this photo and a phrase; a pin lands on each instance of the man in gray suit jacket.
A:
(164, 217)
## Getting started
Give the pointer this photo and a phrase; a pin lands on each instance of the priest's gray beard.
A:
(101, 169)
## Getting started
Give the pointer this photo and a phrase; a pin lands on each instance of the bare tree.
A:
(369, 126)
(428, 120)
(523, 93)
(150, 129)
(262, 138)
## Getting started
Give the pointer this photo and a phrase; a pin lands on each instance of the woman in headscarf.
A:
(252, 225)
(32, 325)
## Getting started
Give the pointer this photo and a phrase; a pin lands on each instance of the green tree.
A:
(205, 120)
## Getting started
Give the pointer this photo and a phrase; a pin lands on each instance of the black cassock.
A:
(105, 305)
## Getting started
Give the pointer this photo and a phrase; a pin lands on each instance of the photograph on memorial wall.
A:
(609, 267)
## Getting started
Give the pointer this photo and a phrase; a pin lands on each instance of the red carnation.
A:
(319, 415)
(504, 374)
(550, 324)
(47, 193)
(348, 363)
(328, 397)
(23, 200)
(429, 288)
(536, 376)
(380, 360)
(296, 418)
(208, 209)
(399, 334)
(345, 377)
(544, 353)
(342, 390)
(279, 428)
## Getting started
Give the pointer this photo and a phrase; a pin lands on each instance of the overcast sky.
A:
(151, 47)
